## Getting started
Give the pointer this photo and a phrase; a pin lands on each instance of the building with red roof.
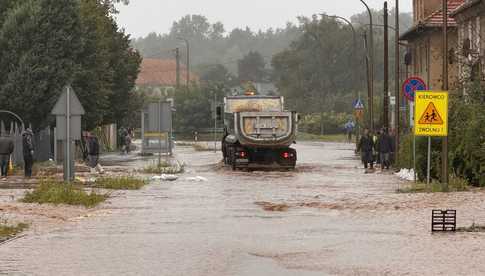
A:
(160, 76)
(425, 42)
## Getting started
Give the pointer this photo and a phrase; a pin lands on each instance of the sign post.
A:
(359, 116)
(431, 118)
(68, 111)
(409, 88)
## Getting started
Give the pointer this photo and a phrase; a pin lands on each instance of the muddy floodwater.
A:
(325, 218)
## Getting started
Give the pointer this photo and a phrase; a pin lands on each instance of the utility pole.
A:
(385, 119)
(366, 47)
(215, 122)
(371, 70)
(177, 59)
(397, 83)
(444, 158)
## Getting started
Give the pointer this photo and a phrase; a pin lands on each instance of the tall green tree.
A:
(40, 45)
(46, 44)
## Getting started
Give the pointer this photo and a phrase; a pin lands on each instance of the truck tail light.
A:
(242, 154)
(286, 155)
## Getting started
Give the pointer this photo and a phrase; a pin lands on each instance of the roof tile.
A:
(162, 72)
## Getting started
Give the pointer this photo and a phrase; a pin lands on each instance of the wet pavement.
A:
(333, 220)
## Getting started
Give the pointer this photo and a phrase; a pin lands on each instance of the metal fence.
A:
(42, 140)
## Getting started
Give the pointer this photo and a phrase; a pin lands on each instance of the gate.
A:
(42, 143)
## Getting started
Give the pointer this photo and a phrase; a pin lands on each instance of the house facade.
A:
(425, 38)
(470, 19)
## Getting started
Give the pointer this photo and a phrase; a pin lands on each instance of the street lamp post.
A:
(187, 47)
(371, 71)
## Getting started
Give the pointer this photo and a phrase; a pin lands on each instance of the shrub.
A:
(406, 155)
(56, 192)
(7, 231)
(164, 168)
(332, 123)
(120, 183)
(456, 184)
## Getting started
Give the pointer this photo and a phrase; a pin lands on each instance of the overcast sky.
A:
(141, 17)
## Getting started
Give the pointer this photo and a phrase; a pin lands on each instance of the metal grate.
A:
(443, 220)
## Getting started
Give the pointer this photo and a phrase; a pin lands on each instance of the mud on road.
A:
(325, 218)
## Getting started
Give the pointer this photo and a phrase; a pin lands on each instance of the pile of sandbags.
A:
(406, 174)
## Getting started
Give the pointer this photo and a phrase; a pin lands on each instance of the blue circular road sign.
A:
(412, 85)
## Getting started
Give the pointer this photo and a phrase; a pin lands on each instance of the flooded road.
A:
(333, 220)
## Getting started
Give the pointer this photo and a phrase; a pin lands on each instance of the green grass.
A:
(340, 138)
(55, 192)
(119, 183)
(8, 231)
(455, 184)
(164, 168)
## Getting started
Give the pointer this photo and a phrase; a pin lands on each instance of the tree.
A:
(40, 42)
(252, 67)
(210, 44)
(109, 68)
(46, 44)
(192, 26)
(216, 74)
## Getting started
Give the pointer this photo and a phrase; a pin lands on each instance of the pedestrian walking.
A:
(6, 150)
(28, 152)
(127, 143)
(375, 138)
(392, 136)
(385, 148)
(123, 134)
(366, 148)
(349, 129)
(93, 154)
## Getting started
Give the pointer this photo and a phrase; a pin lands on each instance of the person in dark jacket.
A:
(385, 148)
(366, 147)
(93, 154)
(28, 152)
(6, 149)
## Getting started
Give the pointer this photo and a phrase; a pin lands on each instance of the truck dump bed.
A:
(269, 129)
(260, 121)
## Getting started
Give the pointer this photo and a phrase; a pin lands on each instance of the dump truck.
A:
(258, 133)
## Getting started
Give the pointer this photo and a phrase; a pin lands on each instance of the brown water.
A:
(337, 221)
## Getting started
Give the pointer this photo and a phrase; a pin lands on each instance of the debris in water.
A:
(197, 179)
(273, 207)
(406, 174)
(165, 177)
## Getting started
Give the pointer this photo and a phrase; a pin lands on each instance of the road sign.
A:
(359, 114)
(358, 104)
(431, 113)
(75, 111)
(68, 111)
(75, 106)
(411, 85)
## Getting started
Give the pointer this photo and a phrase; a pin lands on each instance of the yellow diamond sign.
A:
(431, 113)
